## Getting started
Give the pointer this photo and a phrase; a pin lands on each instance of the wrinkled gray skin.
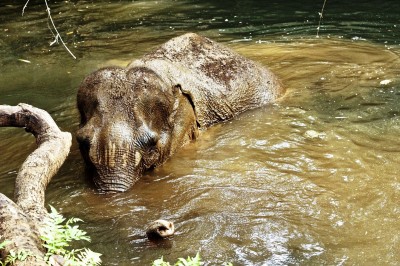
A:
(134, 118)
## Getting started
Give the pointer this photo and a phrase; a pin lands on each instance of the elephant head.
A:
(131, 120)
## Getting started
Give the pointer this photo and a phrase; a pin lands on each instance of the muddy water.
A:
(310, 180)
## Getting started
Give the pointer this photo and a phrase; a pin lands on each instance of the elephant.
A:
(134, 118)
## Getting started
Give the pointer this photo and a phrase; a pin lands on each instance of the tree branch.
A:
(20, 221)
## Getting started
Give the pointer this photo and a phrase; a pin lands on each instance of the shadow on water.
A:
(312, 179)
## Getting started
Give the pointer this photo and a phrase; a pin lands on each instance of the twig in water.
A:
(23, 9)
(320, 18)
(56, 34)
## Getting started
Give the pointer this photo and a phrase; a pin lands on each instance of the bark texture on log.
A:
(18, 228)
(20, 221)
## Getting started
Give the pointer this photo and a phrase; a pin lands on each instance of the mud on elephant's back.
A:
(219, 82)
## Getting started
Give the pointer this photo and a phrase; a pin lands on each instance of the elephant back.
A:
(219, 82)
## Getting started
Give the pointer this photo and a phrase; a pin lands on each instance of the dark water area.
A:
(311, 180)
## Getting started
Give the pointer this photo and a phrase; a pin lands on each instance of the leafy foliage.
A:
(58, 236)
(13, 256)
(4, 243)
(181, 261)
(195, 261)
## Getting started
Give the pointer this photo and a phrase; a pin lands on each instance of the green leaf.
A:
(160, 262)
(58, 237)
(12, 253)
(4, 243)
(189, 261)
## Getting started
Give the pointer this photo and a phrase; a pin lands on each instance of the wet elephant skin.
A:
(135, 118)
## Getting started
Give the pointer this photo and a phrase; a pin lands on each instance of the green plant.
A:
(58, 236)
(13, 256)
(160, 262)
(195, 261)
(20, 255)
(4, 243)
(189, 261)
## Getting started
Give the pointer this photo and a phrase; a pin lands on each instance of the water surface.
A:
(257, 190)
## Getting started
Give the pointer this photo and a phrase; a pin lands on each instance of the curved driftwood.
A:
(20, 221)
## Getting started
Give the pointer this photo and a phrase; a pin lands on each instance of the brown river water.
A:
(310, 180)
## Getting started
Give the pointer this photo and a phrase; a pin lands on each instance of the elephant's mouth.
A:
(116, 171)
(112, 180)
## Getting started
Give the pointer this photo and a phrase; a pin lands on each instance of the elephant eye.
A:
(87, 108)
(148, 140)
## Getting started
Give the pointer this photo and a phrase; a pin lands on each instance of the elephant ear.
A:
(210, 106)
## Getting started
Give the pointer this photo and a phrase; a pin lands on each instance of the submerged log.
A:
(20, 221)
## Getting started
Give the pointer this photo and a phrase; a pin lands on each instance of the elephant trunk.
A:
(118, 168)
(116, 159)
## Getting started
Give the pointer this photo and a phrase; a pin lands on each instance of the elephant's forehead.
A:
(121, 130)
(116, 90)
(128, 92)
